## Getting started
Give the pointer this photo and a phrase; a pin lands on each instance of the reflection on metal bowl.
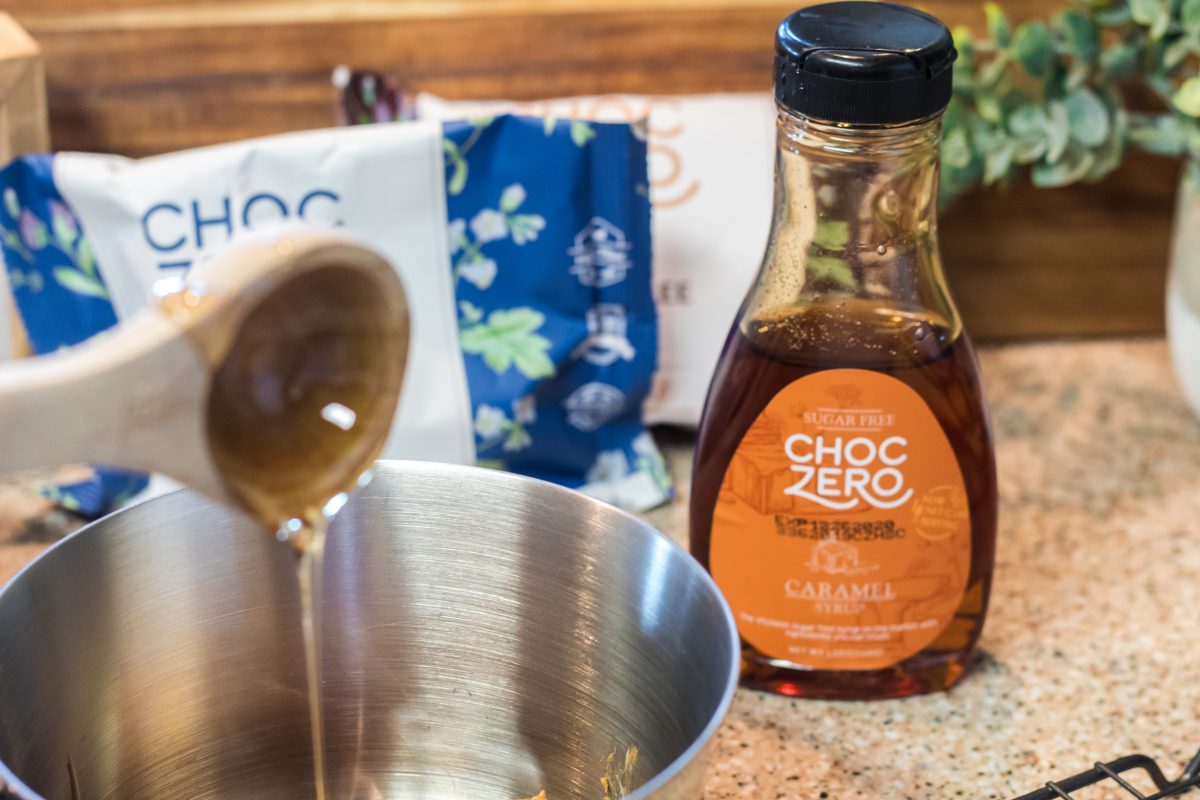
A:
(485, 637)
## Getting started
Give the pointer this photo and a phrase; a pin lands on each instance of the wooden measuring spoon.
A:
(268, 381)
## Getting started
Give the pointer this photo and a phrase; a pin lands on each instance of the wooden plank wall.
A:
(147, 76)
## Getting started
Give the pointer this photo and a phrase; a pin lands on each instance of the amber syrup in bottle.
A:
(844, 488)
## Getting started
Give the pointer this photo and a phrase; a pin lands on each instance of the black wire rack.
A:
(1119, 772)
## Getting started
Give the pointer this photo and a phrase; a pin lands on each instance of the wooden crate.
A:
(23, 129)
(147, 76)
(23, 125)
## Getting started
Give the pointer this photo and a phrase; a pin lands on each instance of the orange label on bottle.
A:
(841, 534)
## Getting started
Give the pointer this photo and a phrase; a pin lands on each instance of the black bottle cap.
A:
(863, 63)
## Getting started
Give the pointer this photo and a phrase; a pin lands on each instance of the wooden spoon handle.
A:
(120, 400)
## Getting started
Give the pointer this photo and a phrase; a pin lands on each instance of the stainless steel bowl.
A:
(485, 636)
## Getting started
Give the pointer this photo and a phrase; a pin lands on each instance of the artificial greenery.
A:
(1052, 97)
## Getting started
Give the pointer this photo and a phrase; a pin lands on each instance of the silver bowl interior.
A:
(485, 636)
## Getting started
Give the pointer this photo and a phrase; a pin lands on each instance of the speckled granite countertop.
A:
(1091, 648)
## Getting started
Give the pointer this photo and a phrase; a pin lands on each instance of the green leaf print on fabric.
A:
(581, 133)
(508, 338)
(79, 283)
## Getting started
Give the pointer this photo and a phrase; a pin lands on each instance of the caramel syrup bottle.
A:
(844, 489)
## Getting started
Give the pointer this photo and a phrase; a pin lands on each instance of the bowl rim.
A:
(14, 786)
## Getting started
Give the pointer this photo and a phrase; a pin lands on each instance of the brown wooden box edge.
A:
(23, 126)
(146, 76)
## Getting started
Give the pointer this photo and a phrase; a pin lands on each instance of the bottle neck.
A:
(855, 217)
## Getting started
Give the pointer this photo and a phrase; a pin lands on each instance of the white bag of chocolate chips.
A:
(94, 234)
(710, 182)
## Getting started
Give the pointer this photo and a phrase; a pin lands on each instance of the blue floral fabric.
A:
(549, 225)
(61, 296)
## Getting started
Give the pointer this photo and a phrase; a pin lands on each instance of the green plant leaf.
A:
(997, 162)
(1028, 145)
(1028, 122)
(84, 258)
(79, 283)
(1149, 12)
(1162, 134)
(832, 234)
(1119, 62)
(958, 178)
(956, 113)
(1161, 85)
(994, 70)
(1111, 15)
(582, 132)
(990, 108)
(830, 269)
(1077, 75)
(1161, 25)
(1065, 171)
(1058, 130)
(1187, 99)
(1189, 15)
(956, 148)
(1109, 155)
(1153, 58)
(999, 28)
(1027, 151)
(1087, 117)
(964, 42)
(548, 124)
(508, 338)
(1154, 14)
(1178, 51)
(1080, 35)
(11, 204)
(480, 122)
(963, 38)
(984, 135)
(1033, 47)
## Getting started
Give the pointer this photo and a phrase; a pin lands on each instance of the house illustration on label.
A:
(600, 253)
(837, 558)
(592, 405)
(607, 338)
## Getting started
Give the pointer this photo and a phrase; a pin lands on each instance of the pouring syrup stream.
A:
(299, 409)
